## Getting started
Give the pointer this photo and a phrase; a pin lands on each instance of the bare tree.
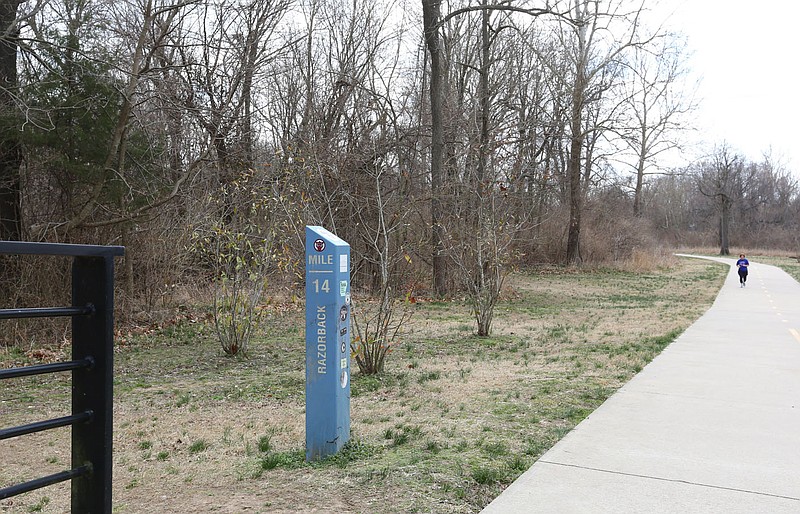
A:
(434, 22)
(722, 178)
(382, 217)
(431, 18)
(766, 214)
(597, 36)
(655, 106)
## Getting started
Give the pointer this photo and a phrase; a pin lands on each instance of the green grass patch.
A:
(285, 459)
(198, 446)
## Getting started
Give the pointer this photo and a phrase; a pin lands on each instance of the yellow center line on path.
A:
(795, 333)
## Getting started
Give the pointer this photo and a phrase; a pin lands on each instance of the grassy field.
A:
(454, 420)
(789, 265)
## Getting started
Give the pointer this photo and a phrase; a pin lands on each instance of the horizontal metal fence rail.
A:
(41, 426)
(45, 481)
(41, 369)
(46, 312)
(92, 313)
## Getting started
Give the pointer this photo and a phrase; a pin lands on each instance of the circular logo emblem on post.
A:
(343, 313)
(319, 245)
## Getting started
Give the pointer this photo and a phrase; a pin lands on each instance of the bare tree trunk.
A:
(486, 44)
(430, 18)
(575, 193)
(486, 295)
(724, 223)
(574, 173)
(10, 148)
(637, 192)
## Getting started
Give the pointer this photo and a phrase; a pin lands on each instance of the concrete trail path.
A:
(711, 425)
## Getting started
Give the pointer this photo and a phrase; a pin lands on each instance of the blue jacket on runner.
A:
(742, 264)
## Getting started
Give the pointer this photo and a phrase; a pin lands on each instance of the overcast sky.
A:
(747, 56)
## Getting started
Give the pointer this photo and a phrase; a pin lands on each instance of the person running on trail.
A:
(742, 264)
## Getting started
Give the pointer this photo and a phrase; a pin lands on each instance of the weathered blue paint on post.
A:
(327, 343)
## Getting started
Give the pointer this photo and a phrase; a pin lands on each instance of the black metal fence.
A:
(92, 313)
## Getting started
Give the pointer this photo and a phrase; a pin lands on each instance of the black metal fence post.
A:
(92, 337)
(92, 314)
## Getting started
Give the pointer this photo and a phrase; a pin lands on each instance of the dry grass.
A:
(780, 255)
(452, 422)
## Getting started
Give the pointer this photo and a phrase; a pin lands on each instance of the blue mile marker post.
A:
(327, 343)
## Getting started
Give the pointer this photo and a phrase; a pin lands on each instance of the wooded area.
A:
(446, 144)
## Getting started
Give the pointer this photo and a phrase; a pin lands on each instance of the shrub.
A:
(238, 246)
